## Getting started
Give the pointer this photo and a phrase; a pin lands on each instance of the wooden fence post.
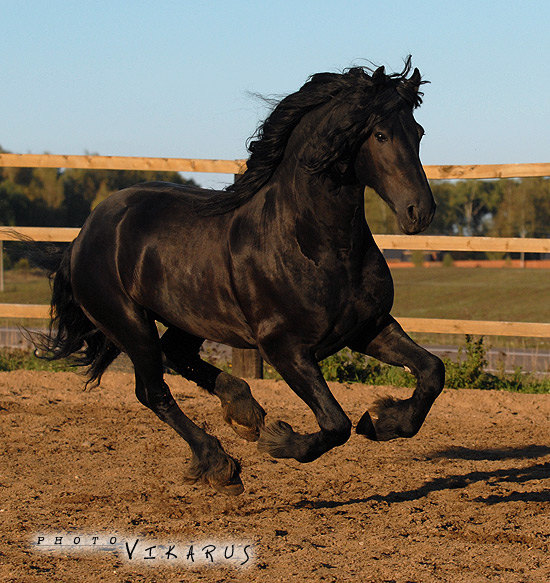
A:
(247, 363)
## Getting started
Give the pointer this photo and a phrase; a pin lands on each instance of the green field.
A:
(521, 295)
(516, 295)
(25, 287)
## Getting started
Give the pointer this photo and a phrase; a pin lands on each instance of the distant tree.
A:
(51, 197)
(13, 205)
(524, 208)
(83, 190)
(473, 203)
(380, 218)
(443, 222)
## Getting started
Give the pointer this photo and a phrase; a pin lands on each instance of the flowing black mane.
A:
(364, 96)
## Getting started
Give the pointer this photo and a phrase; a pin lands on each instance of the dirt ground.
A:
(466, 500)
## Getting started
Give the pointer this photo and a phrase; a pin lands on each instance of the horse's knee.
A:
(158, 401)
(434, 373)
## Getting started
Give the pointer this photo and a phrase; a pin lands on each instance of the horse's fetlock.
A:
(227, 388)
(210, 448)
(339, 434)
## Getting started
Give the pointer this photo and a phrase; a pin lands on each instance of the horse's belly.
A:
(199, 300)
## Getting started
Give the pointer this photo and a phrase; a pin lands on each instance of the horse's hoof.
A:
(189, 478)
(395, 419)
(232, 488)
(366, 427)
(245, 432)
(245, 416)
(221, 472)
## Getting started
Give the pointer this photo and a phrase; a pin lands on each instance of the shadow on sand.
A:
(539, 471)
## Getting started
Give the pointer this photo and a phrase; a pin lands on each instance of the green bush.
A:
(448, 260)
(17, 359)
(351, 367)
(467, 373)
(22, 264)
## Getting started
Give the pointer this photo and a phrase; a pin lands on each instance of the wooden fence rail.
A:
(408, 242)
(433, 172)
(121, 163)
(430, 325)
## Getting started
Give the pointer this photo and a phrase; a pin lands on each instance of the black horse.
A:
(282, 261)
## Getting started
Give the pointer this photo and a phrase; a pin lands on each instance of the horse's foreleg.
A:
(240, 408)
(400, 418)
(304, 377)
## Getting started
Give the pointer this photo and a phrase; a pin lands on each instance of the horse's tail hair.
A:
(71, 333)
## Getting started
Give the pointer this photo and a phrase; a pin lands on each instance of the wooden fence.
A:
(444, 172)
(432, 243)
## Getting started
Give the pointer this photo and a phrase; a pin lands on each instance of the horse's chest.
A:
(368, 291)
(345, 297)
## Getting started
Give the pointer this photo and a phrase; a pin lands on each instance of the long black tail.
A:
(71, 334)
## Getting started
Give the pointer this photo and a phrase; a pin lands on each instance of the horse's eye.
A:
(380, 137)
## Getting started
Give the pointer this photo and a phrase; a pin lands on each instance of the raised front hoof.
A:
(366, 427)
(393, 419)
(245, 416)
(223, 475)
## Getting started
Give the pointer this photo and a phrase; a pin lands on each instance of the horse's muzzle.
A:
(414, 219)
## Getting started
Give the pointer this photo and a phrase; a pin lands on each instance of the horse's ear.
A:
(379, 76)
(415, 79)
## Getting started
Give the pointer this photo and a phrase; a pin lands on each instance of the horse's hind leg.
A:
(240, 409)
(136, 333)
(400, 418)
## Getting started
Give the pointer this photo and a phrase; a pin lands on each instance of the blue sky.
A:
(173, 78)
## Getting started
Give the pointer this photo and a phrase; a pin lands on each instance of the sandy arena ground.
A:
(466, 500)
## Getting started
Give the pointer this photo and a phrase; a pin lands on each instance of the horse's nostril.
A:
(412, 213)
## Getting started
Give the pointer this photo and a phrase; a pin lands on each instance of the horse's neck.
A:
(332, 204)
(316, 208)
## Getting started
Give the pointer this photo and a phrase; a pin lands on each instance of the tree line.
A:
(48, 197)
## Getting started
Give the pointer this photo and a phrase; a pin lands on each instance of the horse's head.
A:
(355, 128)
(388, 161)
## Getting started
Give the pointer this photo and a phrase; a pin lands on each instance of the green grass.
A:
(25, 287)
(517, 295)
(462, 293)
(16, 359)
(521, 295)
